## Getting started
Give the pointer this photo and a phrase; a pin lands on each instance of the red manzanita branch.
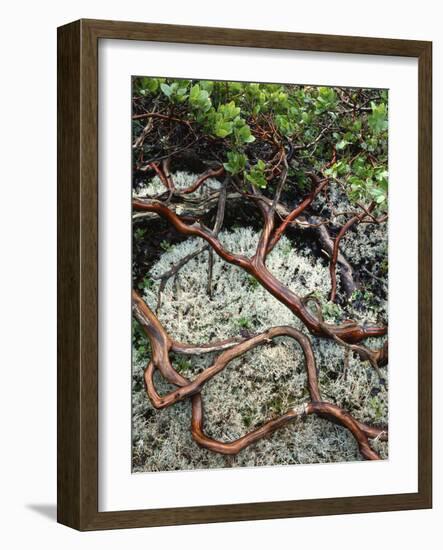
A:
(168, 180)
(349, 332)
(161, 174)
(320, 185)
(333, 263)
(161, 116)
(320, 408)
(162, 344)
(211, 173)
(226, 357)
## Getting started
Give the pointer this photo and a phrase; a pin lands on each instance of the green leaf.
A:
(340, 168)
(256, 175)
(229, 110)
(167, 90)
(236, 162)
(378, 195)
(149, 85)
(285, 125)
(199, 99)
(306, 117)
(341, 144)
(244, 135)
(207, 85)
(326, 99)
(194, 93)
(378, 119)
(223, 129)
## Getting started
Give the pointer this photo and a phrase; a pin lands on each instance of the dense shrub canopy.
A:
(246, 126)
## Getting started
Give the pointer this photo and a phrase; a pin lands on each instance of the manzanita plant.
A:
(291, 154)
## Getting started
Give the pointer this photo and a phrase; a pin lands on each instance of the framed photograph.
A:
(244, 275)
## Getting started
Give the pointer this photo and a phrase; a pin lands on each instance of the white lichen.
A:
(261, 384)
(182, 180)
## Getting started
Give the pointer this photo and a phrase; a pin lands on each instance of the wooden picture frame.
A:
(78, 274)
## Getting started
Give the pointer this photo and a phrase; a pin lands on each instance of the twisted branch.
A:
(349, 332)
(332, 266)
(162, 345)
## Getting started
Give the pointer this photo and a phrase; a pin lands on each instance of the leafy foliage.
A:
(256, 175)
(340, 132)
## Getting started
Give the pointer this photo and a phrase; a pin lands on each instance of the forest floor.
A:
(266, 381)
